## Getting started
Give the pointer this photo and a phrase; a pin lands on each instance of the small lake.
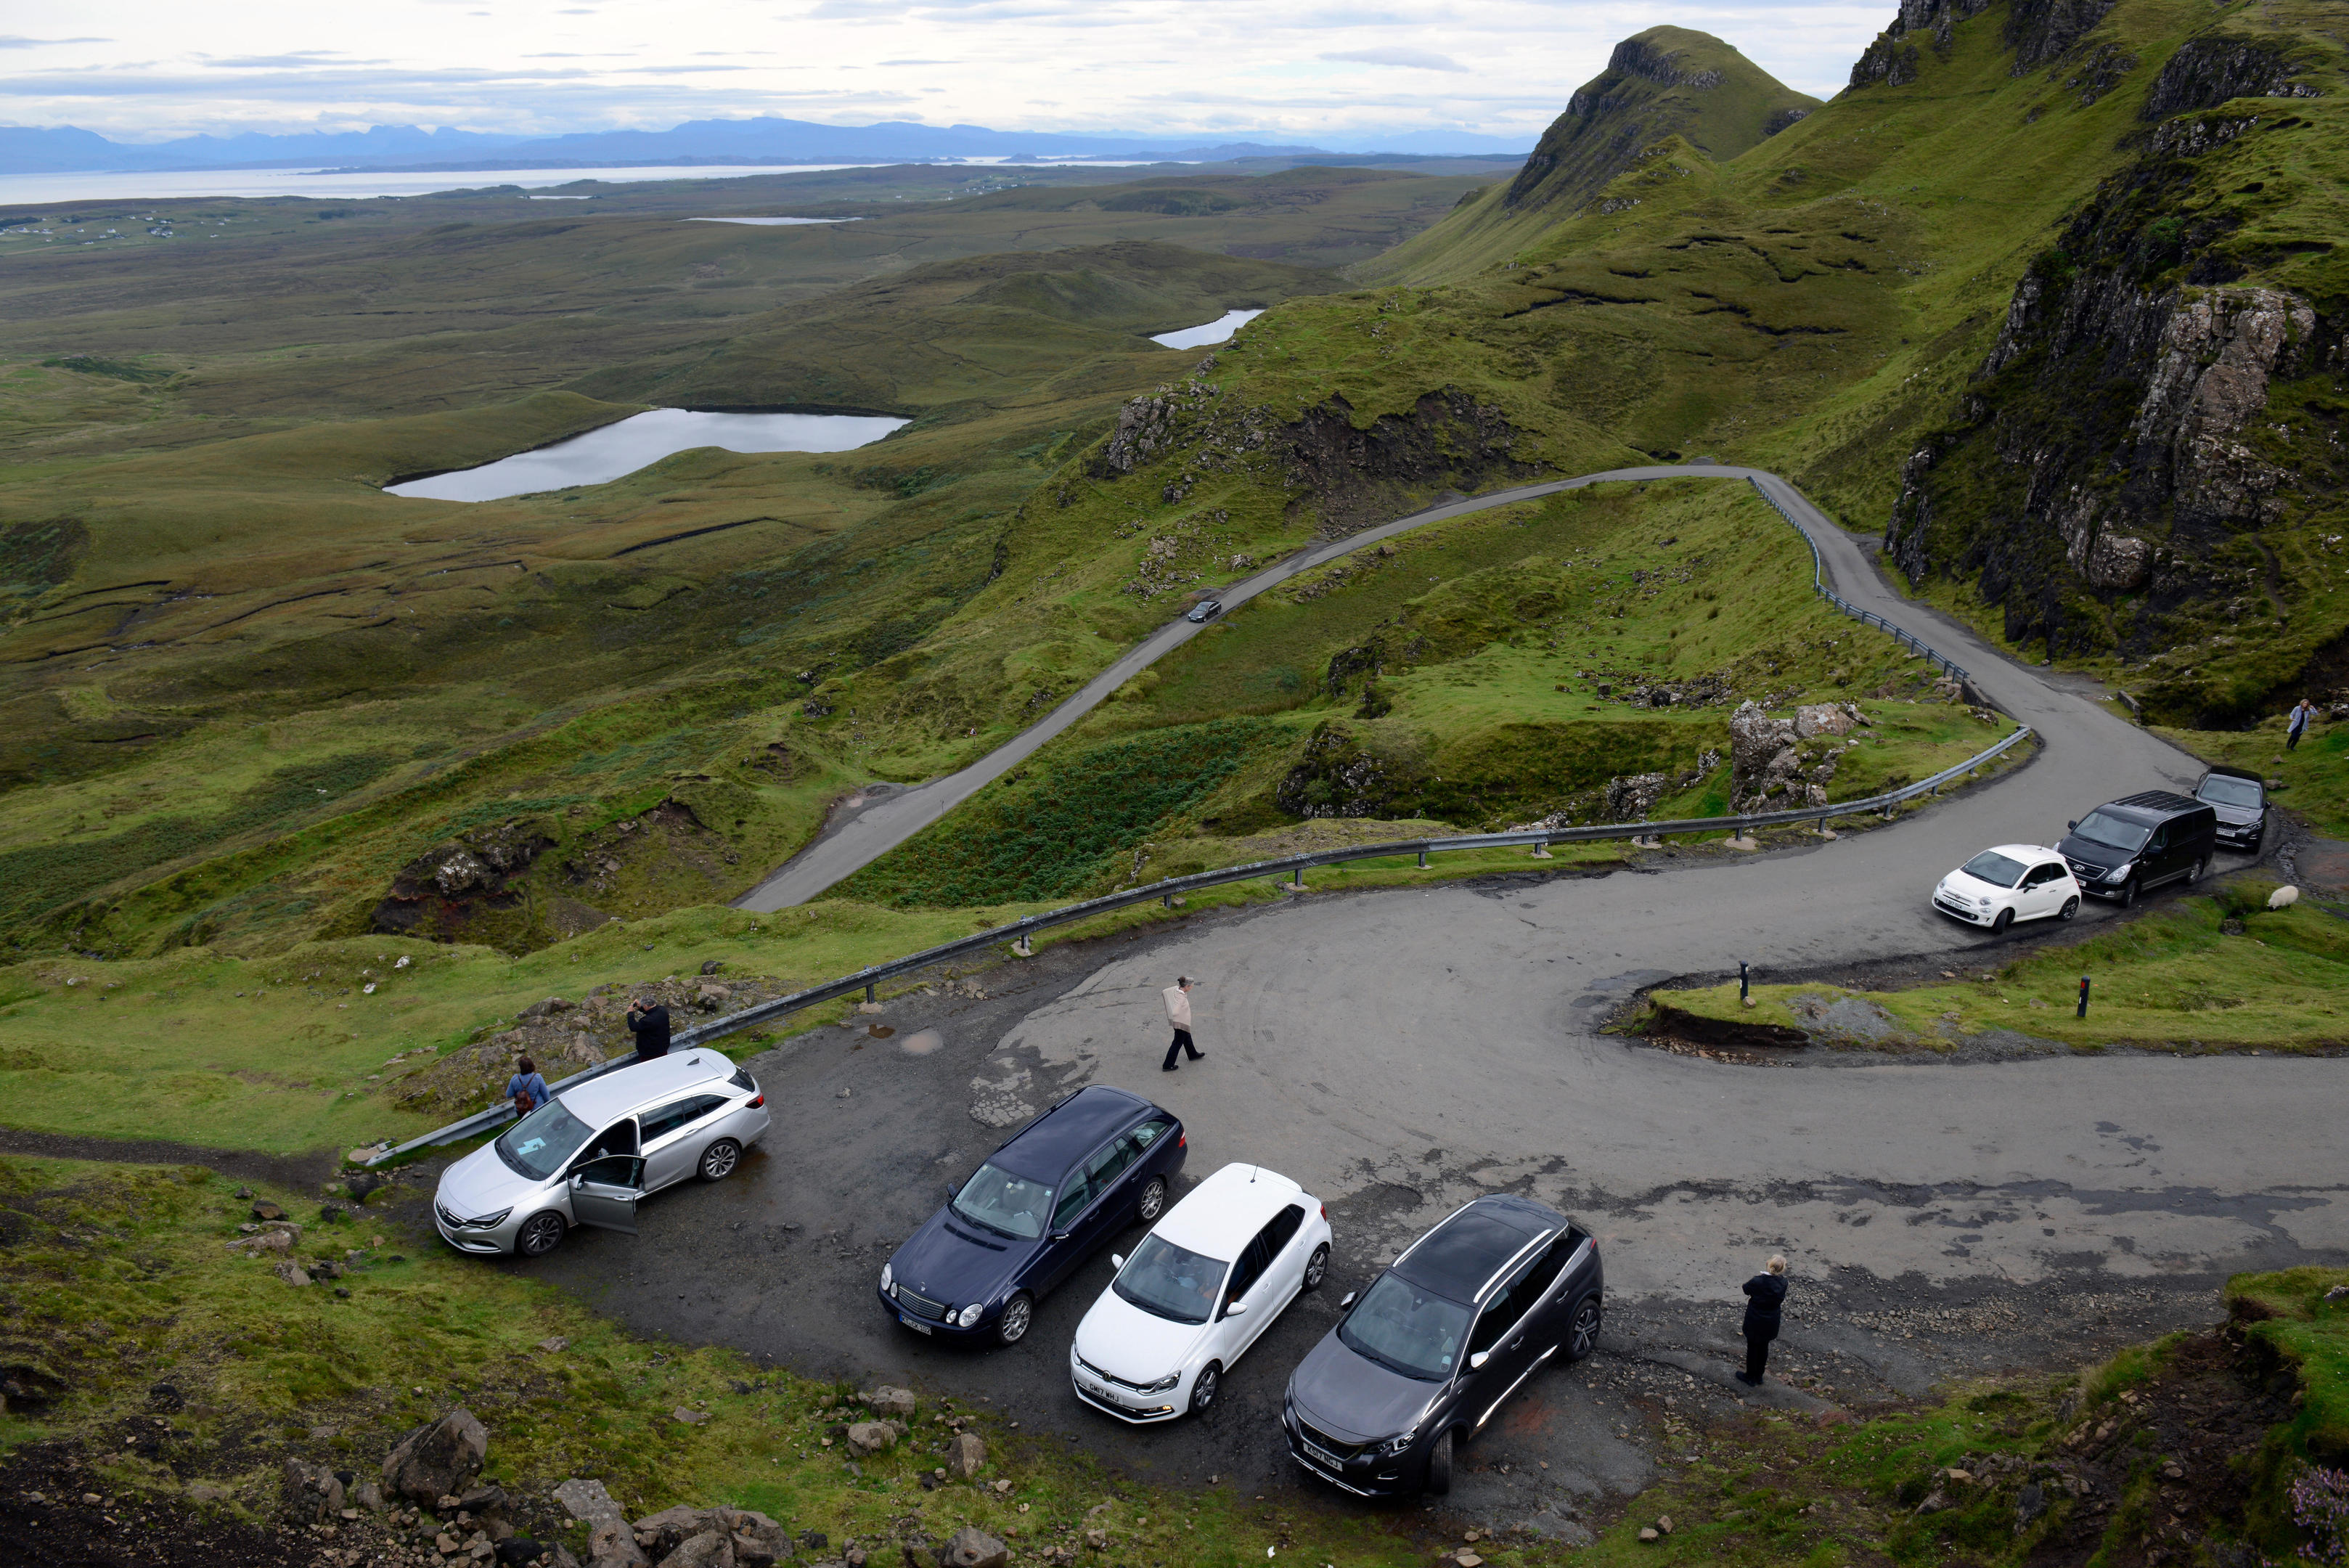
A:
(1219, 330)
(772, 223)
(603, 455)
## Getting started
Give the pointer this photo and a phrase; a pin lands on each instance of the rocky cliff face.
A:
(2153, 424)
(1665, 81)
(2040, 31)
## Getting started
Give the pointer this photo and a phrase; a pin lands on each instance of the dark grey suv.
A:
(2240, 801)
(1439, 1342)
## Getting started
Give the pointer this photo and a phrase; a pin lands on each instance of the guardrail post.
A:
(868, 994)
(1167, 900)
(1023, 947)
(1541, 849)
(1422, 859)
(1296, 877)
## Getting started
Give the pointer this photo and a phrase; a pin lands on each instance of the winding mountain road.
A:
(1401, 1050)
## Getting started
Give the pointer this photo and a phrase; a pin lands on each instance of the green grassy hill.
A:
(1664, 82)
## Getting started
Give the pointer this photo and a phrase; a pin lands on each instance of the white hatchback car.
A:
(1206, 1282)
(2013, 882)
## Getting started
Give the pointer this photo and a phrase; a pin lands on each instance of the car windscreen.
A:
(1991, 866)
(1011, 1205)
(2220, 790)
(2113, 832)
(537, 1145)
(1170, 1282)
(1412, 1331)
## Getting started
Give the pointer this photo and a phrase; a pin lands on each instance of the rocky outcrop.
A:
(1785, 763)
(2041, 32)
(1347, 773)
(1892, 59)
(2207, 71)
(1355, 476)
(2117, 455)
(438, 889)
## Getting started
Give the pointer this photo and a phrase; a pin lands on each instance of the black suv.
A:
(1426, 1354)
(2127, 846)
(2240, 801)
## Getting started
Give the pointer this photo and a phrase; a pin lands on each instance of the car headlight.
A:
(968, 1316)
(1393, 1446)
(889, 1278)
(1164, 1385)
(486, 1221)
(2117, 874)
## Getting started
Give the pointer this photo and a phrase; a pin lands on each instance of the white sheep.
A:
(2283, 897)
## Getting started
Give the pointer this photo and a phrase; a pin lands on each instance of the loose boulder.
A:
(870, 1438)
(313, 1493)
(974, 1548)
(438, 1458)
(611, 1543)
(710, 1549)
(888, 1400)
(965, 1455)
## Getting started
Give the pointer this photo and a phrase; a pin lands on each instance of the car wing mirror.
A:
(1476, 1361)
(1345, 1300)
(2071, 827)
(1116, 1261)
(1234, 1309)
(951, 1192)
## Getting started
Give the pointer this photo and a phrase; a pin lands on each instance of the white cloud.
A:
(1258, 69)
(1414, 59)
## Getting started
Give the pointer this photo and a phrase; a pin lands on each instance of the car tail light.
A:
(758, 1101)
(1181, 1140)
(1325, 1212)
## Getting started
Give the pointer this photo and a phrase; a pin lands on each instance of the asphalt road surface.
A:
(1403, 1050)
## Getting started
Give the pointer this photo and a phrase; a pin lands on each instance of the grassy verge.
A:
(2204, 973)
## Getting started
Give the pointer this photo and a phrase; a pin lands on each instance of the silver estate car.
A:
(587, 1155)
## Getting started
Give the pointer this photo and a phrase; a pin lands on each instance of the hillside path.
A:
(854, 843)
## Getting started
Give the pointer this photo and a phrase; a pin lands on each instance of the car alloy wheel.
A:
(1317, 1268)
(2201, 870)
(1439, 1466)
(2005, 918)
(2071, 907)
(1582, 1335)
(2128, 894)
(1202, 1388)
(1153, 1200)
(1017, 1313)
(719, 1161)
(540, 1234)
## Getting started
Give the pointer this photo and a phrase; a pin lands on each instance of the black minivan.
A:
(2127, 846)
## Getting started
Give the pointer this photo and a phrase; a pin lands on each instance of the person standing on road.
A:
(526, 1089)
(1178, 1014)
(1765, 1292)
(2298, 725)
(648, 1022)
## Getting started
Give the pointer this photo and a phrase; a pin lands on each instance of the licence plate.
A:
(1323, 1455)
(916, 1324)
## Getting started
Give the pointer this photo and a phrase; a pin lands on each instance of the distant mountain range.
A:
(60, 149)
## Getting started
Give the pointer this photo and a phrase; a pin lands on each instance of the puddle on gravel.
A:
(921, 1043)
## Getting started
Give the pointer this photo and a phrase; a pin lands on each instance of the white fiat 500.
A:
(2013, 882)
(1210, 1278)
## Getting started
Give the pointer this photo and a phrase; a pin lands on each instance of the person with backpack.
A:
(648, 1022)
(526, 1089)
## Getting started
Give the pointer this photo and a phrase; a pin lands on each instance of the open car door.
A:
(603, 1192)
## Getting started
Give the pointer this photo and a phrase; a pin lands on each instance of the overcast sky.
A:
(143, 69)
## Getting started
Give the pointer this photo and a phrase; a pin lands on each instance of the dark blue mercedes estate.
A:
(1040, 1206)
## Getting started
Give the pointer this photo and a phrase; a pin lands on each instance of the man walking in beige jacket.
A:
(1178, 1014)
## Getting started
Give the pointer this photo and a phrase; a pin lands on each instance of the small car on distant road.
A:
(589, 1154)
(2013, 882)
(1205, 609)
(1201, 1288)
(2240, 801)
(1438, 1343)
(1043, 1203)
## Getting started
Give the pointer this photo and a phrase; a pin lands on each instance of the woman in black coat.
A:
(1765, 1292)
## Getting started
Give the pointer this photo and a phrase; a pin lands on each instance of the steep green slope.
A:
(1666, 82)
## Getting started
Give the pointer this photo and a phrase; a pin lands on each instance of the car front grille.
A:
(1108, 1376)
(454, 1222)
(1324, 1441)
(921, 1305)
(1946, 902)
